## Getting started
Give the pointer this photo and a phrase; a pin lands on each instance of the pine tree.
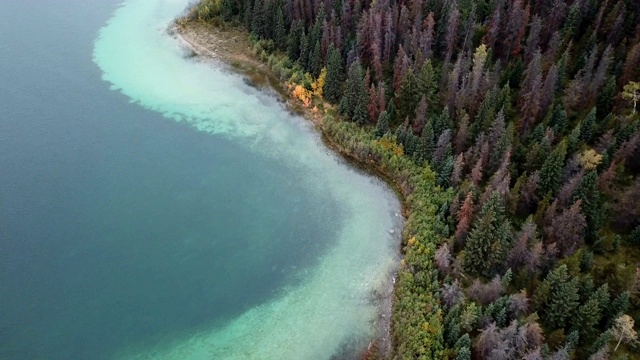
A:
(487, 244)
(258, 19)
(558, 119)
(572, 21)
(604, 102)
(463, 348)
(407, 97)
(586, 318)
(315, 61)
(428, 139)
(442, 122)
(227, 9)
(247, 12)
(557, 297)
(445, 168)
(589, 195)
(427, 84)
(280, 33)
(618, 306)
(334, 76)
(293, 41)
(303, 59)
(551, 171)
(586, 130)
(382, 127)
(354, 100)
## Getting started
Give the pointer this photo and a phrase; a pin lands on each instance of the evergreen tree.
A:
(558, 119)
(382, 126)
(586, 130)
(258, 19)
(558, 297)
(587, 192)
(604, 102)
(551, 171)
(227, 9)
(293, 41)
(602, 340)
(488, 242)
(247, 13)
(354, 100)
(442, 122)
(315, 33)
(427, 84)
(586, 318)
(280, 32)
(572, 21)
(315, 61)
(445, 169)
(463, 348)
(428, 139)
(303, 59)
(618, 306)
(334, 76)
(451, 326)
(408, 96)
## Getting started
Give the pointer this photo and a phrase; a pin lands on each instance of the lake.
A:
(153, 205)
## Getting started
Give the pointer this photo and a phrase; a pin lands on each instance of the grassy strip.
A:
(417, 317)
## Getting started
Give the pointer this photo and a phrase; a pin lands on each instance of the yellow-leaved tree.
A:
(589, 159)
(631, 92)
(318, 85)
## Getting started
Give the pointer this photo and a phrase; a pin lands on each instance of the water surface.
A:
(183, 215)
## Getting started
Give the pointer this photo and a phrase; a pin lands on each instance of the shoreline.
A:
(211, 42)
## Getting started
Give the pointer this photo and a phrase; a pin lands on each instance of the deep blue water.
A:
(118, 227)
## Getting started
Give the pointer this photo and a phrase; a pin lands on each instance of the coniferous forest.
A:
(511, 127)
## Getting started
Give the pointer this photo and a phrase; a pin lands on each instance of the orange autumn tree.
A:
(301, 85)
(302, 94)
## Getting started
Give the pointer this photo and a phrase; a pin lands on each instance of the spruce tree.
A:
(618, 306)
(604, 102)
(588, 193)
(354, 100)
(315, 61)
(463, 348)
(280, 32)
(407, 97)
(443, 122)
(428, 139)
(247, 13)
(587, 318)
(558, 119)
(382, 125)
(293, 41)
(258, 19)
(303, 59)
(557, 297)
(488, 242)
(334, 76)
(586, 130)
(227, 9)
(445, 169)
(551, 171)
(427, 84)
(315, 33)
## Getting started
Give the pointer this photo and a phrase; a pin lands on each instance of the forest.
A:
(512, 130)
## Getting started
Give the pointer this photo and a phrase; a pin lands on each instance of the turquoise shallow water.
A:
(184, 215)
